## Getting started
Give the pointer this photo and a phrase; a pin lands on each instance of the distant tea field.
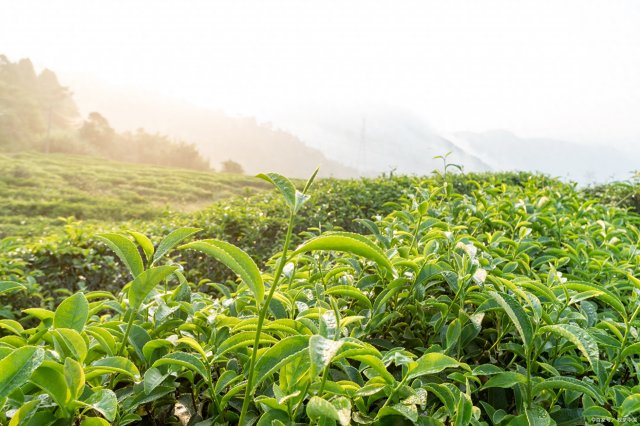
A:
(37, 190)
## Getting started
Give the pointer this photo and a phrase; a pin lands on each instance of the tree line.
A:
(37, 113)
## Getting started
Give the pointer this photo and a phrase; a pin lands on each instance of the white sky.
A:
(567, 69)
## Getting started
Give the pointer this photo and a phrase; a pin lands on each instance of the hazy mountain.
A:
(346, 141)
(375, 138)
(257, 146)
(503, 150)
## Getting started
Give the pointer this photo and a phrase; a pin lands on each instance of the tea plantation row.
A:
(484, 300)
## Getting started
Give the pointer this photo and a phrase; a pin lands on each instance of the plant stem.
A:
(263, 313)
(126, 333)
(529, 384)
(616, 363)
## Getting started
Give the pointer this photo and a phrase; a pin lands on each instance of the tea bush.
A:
(502, 304)
(74, 260)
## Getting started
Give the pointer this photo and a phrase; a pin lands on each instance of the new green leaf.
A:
(236, 260)
(72, 313)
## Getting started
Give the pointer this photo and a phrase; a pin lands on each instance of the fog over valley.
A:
(360, 140)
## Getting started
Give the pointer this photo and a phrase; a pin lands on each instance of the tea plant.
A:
(503, 304)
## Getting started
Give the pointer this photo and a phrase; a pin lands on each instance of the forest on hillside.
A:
(37, 113)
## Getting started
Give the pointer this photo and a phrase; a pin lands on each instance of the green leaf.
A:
(486, 370)
(431, 363)
(282, 353)
(112, 364)
(464, 410)
(343, 406)
(580, 338)
(537, 416)
(310, 180)
(104, 339)
(376, 365)
(17, 367)
(185, 360)
(142, 285)
(144, 242)
(41, 314)
(284, 185)
(50, 378)
(273, 418)
(126, 251)
(516, 314)
(321, 352)
(505, 380)
(452, 336)
(569, 383)
(349, 291)
(25, 413)
(94, 421)
(172, 240)
(68, 342)
(243, 339)
(193, 344)
(151, 346)
(152, 379)
(444, 394)
(633, 349)
(72, 313)
(347, 242)
(12, 326)
(410, 412)
(105, 402)
(74, 376)
(226, 379)
(630, 405)
(604, 294)
(10, 286)
(318, 408)
(236, 260)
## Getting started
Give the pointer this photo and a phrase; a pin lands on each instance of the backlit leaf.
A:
(347, 242)
(72, 313)
(17, 367)
(236, 260)
(126, 251)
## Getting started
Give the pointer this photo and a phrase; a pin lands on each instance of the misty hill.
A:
(31, 105)
(38, 114)
(503, 150)
(377, 139)
(257, 146)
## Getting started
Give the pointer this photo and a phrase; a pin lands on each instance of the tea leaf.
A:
(236, 260)
(516, 314)
(172, 240)
(17, 367)
(126, 251)
(580, 338)
(347, 242)
(431, 363)
(72, 313)
(142, 285)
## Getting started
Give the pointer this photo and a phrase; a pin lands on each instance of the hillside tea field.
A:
(453, 300)
(39, 190)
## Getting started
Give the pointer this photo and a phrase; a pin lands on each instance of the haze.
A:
(541, 69)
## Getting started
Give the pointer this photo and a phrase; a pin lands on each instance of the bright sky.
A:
(566, 69)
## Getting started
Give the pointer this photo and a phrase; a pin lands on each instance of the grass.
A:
(37, 190)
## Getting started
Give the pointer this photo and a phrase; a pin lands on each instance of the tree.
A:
(97, 131)
(231, 166)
